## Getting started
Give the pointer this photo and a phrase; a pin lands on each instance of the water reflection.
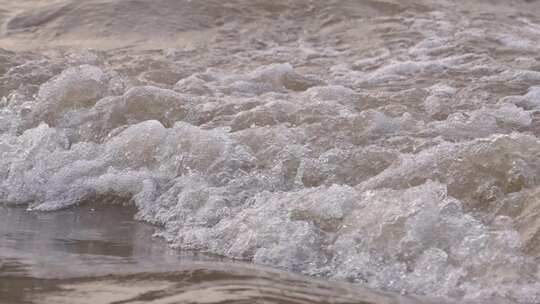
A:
(81, 241)
(101, 255)
(208, 283)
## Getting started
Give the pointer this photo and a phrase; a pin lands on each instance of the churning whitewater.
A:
(394, 144)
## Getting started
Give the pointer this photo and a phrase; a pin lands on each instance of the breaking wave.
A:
(381, 143)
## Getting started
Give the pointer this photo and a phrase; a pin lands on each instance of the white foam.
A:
(400, 151)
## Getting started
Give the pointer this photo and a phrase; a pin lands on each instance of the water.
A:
(82, 241)
(99, 254)
(387, 144)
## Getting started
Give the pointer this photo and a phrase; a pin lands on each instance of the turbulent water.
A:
(393, 144)
(98, 254)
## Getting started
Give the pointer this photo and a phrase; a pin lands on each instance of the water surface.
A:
(390, 144)
(100, 254)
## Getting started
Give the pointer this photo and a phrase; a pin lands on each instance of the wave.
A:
(381, 143)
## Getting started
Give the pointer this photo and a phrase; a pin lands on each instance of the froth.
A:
(411, 169)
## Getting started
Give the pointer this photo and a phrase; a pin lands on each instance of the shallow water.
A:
(82, 241)
(389, 144)
(99, 254)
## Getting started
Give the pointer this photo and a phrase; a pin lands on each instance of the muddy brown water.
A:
(100, 254)
(390, 144)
